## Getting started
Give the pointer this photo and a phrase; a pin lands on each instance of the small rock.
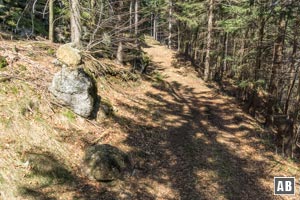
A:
(69, 55)
(75, 89)
(105, 163)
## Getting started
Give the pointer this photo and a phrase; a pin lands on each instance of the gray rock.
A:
(75, 89)
(69, 55)
(105, 162)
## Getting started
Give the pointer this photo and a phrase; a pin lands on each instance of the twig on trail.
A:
(95, 141)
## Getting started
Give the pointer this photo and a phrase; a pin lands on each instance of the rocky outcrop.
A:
(75, 89)
(105, 163)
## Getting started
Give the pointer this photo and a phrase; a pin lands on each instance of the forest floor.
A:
(185, 140)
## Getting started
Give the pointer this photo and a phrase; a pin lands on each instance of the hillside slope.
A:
(185, 140)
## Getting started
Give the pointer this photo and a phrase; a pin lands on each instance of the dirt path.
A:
(198, 144)
(185, 141)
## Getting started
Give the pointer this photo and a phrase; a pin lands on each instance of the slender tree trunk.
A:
(151, 25)
(244, 45)
(136, 17)
(51, 21)
(155, 26)
(130, 15)
(76, 31)
(170, 25)
(178, 37)
(225, 52)
(293, 72)
(278, 54)
(276, 65)
(120, 35)
(259, 49)
(209, 40)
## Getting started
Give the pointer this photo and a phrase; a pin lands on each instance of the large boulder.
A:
(75, 89)
(105, 163)
(69, 55)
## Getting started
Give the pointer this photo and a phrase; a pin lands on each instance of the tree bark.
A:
(76, 31)
(276, 65)
(209, 40)
(136, 17)
(130, 15)
(155, 27)
(170, 25)
(259, 49)
(51, 21)
(120, 35)
(178, 38)
(293, 63)
(278, 54)
(225, 52)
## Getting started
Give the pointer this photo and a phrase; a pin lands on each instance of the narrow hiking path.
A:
(201, 145)
(185, 141)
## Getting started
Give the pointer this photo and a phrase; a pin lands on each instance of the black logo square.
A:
(284, 185)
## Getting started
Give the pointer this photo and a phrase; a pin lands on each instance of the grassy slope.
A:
(177, 132)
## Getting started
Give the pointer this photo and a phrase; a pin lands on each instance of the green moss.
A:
(3, 62)
(15, 90)
(69, 114)
(86, 15)
(1, 179)
(51, 52)
(158, 77)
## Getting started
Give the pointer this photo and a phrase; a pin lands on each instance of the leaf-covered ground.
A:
(185, 140)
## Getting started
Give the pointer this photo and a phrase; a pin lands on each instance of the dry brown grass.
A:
(185, 141)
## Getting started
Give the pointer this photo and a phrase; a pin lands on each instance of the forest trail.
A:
(184, 139)
(208, 147)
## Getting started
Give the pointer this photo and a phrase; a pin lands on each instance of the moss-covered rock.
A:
(105, 162)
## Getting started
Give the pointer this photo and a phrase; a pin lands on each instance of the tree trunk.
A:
(170, 25)
(209, 40)
(51, 21)
(178, 38)
(130, 15)
(151, 25)
(276, 65)
(76, 31)
(120, 35)
(294, 72)
(136, 17)
(278, 54)
(155, 27)
(225, 52)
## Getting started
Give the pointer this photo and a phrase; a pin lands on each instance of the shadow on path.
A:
(187, 149)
